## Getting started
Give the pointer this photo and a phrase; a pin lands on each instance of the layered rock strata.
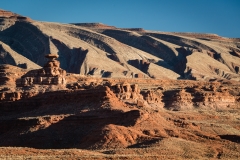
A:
(153, 96)
(177, 100)
(50, 74)
(129, 93)
(171, 95)
(213, 99)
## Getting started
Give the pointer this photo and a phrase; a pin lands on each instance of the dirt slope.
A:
(106, 51)
(9, 56)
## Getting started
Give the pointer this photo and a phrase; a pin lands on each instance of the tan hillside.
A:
(107, 51)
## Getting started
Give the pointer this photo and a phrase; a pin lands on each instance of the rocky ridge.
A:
(111, 115)
(99, 50)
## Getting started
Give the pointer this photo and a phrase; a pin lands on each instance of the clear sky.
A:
(221, 17)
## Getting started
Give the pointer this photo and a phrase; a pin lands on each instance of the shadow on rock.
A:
(70, 132)
(233, 138)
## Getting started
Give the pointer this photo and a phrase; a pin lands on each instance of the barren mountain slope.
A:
(211, 68)
(9, 56)
(106, 51)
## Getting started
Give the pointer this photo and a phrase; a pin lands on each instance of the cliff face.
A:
(169, 94)
(112, 113)
(105, 51)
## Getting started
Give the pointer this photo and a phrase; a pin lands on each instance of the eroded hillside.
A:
(106, 51)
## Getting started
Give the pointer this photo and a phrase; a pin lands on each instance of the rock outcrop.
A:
(11, 15)
(8, 19)
(50, 74)
(214, 100)
(108, 114)
(178, 100)
(9, 74)
(129, 93)
(153, 97)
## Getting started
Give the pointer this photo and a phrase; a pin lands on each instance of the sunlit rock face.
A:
(50, 74)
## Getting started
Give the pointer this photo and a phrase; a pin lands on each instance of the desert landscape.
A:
(94, 91)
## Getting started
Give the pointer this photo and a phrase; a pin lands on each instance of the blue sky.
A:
(221, 17)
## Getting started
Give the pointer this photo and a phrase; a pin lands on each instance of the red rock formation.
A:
(178, 100)
(6, 14)
(129, 93)
(51, 73)
(152, 96)
(9, 74)
(214, 99)
(11, 15)
(96, 113)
